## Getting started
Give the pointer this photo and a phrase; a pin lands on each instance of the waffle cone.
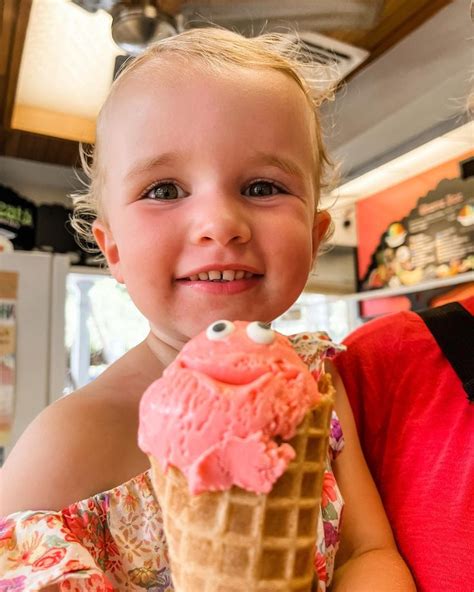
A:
(236, 540)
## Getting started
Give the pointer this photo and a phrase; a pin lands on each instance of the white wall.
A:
(42, 183)
(335, 272)
(412, 93)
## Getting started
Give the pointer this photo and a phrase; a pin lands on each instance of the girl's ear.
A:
(321, 225)
(108, 246)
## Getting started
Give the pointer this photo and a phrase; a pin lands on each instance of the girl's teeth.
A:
(227, 275)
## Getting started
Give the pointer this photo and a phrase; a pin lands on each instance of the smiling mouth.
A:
(228, 275)
(229, 376)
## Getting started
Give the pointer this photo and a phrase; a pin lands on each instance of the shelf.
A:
(388, 292)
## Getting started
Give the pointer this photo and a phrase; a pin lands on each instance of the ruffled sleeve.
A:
(314, 348)
(40, 549)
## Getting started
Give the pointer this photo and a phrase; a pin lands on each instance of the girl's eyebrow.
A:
(281, 162)
(140, 167)
(259, 158)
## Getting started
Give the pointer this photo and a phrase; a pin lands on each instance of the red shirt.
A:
(416, 428)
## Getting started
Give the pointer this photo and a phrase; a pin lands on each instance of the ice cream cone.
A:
(235, 540)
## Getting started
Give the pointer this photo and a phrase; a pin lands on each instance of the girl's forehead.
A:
(176, 105)
(161, 78)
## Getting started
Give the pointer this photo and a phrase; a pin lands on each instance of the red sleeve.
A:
(369, 369)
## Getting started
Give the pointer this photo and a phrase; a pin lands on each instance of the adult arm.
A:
(368, 558)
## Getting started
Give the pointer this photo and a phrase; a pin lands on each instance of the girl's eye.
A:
(165, 192)
(219, 330)
(260, 332)
(262, 189)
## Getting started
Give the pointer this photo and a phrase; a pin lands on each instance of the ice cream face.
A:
(238, 353)
(215, 412)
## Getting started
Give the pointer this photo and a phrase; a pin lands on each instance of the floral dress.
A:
(115, 540)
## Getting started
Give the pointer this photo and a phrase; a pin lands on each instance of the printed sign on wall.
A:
(434, 241)
(8, 294)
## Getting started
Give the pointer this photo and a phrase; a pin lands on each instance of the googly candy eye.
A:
(219, 330)
(260, 332)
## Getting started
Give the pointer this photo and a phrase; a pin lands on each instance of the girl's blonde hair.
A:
(216, 49)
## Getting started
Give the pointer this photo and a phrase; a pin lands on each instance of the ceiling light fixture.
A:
(134, 24)
(134, 27)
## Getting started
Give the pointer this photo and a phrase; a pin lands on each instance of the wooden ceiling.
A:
(398, 19)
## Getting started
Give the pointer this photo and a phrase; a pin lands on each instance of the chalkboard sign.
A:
(435, 240)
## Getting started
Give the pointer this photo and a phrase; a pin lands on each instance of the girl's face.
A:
(206, 176)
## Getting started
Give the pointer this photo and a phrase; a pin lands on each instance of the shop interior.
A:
(400, 129)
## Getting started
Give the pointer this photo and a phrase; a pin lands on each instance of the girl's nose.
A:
(221, 221)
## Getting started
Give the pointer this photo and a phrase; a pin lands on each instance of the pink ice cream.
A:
(217, 408)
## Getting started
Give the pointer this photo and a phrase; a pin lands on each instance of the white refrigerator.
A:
(39, 361)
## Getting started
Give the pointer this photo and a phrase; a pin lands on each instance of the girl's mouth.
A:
(228, 275)
(223, 283)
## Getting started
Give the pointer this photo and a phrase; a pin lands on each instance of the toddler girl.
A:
(204, 191)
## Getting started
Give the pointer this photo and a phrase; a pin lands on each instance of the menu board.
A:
(434, 241)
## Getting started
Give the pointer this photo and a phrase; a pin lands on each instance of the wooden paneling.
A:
(15, 22)
(398, 19)
(42, 148)
(7, 26)
(60, 125)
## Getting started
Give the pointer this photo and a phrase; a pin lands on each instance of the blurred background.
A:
(400, 128)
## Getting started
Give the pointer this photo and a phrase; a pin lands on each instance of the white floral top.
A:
(115, 540)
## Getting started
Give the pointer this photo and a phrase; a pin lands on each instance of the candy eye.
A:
(260, 333)
(219, 330)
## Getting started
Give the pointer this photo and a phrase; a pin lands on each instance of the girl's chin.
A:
(195, 319)
(194, 328)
